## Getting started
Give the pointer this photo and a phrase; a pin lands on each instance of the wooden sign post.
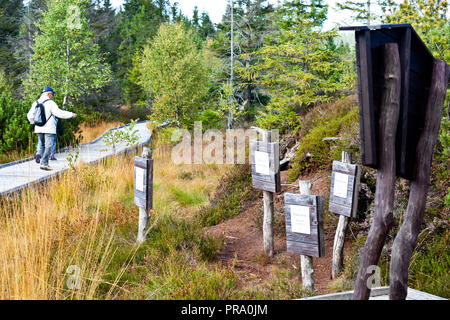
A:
(406, 239)
(343, 201)
(304, 229)
(265, 163)
(143, 190)
(401, 93)
(385, 186)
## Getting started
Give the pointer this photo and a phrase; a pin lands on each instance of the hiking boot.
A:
(46, 167)
(38, 158)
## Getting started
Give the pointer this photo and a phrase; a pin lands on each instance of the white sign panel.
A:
(340, 185)
(300, 219)
(140, 176)
(262, 162)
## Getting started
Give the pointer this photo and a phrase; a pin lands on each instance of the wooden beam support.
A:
(306, 262)
(269, 210)
(406, 239)
(384, 196)
(339, 237)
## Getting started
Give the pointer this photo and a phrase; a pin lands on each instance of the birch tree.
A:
(65, 54)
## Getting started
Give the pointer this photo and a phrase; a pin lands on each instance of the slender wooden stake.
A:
(268, 212)
(306, 261)
(406, 239)
(384, 195)
(143, 213)
(339, 237)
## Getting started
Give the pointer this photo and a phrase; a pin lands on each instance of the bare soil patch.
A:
(243, 241)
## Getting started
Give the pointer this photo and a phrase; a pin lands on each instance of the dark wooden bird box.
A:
(416, 67)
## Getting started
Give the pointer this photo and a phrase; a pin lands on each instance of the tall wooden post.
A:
(144, 209)
(406, 239)
(306, 261)
(268, 211)
(385, 186)
(339, 237)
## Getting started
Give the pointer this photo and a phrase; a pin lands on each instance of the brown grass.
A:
(72, 220)
(91, 133)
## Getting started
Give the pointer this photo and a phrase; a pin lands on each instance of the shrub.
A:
(15, 130)
(228, 200)
(342, 121)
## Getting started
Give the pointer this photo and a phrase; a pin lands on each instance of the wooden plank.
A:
(345, 206)
(267, 182)
(406, 239)
(416, 63)
(365, 96)
(405, 55)
(144, 199)
(384, 195)
(311, 244)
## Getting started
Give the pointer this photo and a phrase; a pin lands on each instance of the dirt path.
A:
(242, 237)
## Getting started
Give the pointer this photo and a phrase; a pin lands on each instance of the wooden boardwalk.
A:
(381, 293)
(18, 175)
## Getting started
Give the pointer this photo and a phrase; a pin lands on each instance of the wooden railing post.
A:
(385, 185)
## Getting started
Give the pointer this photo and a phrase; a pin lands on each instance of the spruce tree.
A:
(299, 66)
(11, 13)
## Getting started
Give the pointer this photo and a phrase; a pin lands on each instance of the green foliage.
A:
(428, 269)
(360, 10)
(447, 198)
(15, 131)
(10, 18)
(173, 72)
(65, 55)
(125, 135)
(210, 119)
(233, 191)
(335, 123)
(186, 197)
(252, 21)
(428, 17)
(72, 158)
(299, 66)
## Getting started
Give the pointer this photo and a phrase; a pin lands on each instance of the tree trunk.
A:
(268, 213)
(406, 239)
(306, 261)
(385, 186)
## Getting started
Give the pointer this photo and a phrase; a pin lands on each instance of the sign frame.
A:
(144, 199)
(272, 181)
(347, 206)
(312, 244)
